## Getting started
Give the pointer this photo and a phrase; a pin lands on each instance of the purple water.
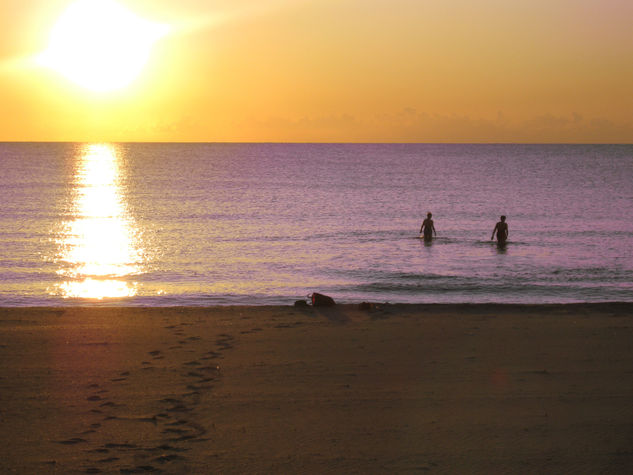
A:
(203, 224)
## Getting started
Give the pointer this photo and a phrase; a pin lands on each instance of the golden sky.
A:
(338, 71)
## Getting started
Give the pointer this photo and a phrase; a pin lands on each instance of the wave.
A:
(521, 291)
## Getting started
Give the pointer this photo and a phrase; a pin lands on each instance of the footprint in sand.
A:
(171, 430)
(211, 355)
(139, 469)
(112, 445)
(224, 342)
(210, 369)
(191, 431)
(199, 387)
(179, 422)
(98, 451)
(73, 441)
(168, 448)
(168, 458)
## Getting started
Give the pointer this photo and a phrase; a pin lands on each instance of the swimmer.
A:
(428, 228)
(501, 229)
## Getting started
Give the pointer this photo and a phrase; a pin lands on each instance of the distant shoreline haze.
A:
(246, 142)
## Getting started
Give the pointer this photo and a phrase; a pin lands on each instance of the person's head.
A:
(429, 215)
(503, 218)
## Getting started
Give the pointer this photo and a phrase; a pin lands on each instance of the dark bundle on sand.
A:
(320, 300)
(317, 300)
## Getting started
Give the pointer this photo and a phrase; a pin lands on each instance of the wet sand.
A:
(393, 389)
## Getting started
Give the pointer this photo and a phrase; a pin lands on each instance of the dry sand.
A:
(397, 389)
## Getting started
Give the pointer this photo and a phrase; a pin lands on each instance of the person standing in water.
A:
(501, 228)
(428, 228)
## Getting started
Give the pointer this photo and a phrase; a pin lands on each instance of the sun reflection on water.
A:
(100, 247)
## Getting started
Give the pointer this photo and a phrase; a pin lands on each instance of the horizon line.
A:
(220, 142)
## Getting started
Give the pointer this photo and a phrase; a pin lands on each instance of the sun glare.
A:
(100, 45)
(100, 248)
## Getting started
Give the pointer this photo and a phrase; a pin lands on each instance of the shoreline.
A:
(445, 388)
(100, 305)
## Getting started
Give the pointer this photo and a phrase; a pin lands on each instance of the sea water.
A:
(215, 224)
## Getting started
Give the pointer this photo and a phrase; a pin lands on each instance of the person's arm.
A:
(494, 231)
(434, 232)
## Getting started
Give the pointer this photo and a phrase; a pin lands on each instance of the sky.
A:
(336, 71)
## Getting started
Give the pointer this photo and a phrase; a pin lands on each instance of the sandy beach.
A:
(393, 389)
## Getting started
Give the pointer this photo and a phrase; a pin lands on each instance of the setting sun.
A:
(100, 45)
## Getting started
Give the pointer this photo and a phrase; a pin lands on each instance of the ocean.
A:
(232, 224)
